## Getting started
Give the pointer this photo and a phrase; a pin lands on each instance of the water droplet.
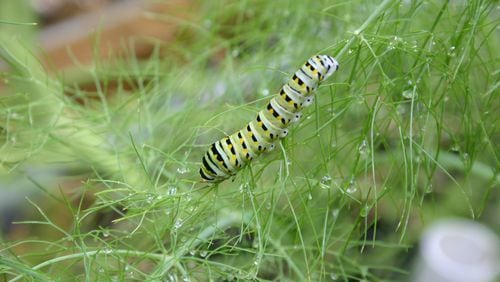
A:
(451, 51)
(182, 170)
(335, 213)
(171, 277)
(333, 276)
(255, 244)
(235, 53)
(149, 198)
(105, 233)
(178, 223)
(409, 94)
(192, 252)
(203, 254)
(363, 147)
(351, 188)
(418, 159)
(244, 187)
(107, 250)
(172, 190)
(258, 259)
(364, 210)
(391, 47)
(429, 189)
(349, 52)
(309, 196)
(465, 158)
(455, 148)
(325, 182)
(264, 92)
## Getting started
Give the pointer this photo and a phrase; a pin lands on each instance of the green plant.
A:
(404, 133)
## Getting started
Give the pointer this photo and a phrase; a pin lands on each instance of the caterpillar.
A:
(229, 155)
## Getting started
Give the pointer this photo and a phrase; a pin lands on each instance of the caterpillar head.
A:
(331, 65)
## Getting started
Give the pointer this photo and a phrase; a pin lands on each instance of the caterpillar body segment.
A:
(227, 156)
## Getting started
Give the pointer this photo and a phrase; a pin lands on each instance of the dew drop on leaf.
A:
(182, 170)
(172, 190)
(409, 94)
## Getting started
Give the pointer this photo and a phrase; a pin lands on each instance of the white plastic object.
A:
(458, 250)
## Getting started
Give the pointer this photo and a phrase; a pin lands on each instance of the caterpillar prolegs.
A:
(227, 156)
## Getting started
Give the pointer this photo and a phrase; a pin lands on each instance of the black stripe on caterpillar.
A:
(227, 156)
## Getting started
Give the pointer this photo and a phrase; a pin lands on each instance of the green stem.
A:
(356, 33)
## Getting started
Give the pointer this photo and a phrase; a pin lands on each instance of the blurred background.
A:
(96, 52)
(68, 36)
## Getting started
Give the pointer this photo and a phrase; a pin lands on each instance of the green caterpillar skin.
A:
(227, 156)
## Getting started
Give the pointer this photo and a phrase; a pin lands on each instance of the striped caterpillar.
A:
(227, 156)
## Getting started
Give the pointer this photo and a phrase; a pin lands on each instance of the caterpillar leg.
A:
(297, 117)
(308, 101)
